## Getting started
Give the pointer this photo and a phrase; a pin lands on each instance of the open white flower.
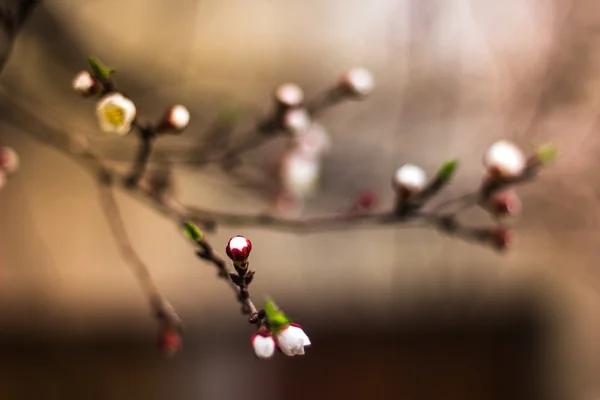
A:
(115, 114)
(178, 117)
(505, 159)
(292, 340)
(410, 177)
(263, 344)
(359, 81)
(289, 94)
(84, 83)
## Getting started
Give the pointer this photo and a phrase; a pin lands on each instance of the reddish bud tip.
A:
(238, 248)
(169, 340)
(500, 238)
(367, 200)
(505, 203)
(9, 160)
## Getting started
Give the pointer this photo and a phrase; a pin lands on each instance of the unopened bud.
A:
(85, 84)
(176, 119)
(357, 82)
(289, 95)
(238, 249)
(9, 160)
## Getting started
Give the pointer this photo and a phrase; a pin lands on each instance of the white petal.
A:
(238, 243)
(179, 117)
(360, 81)
(506, 158)
(410, 177)
(300, 174)
(83, 82)
(264, 347)
(292, 340)
(290, 94)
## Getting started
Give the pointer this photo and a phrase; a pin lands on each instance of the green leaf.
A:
(447, 170)
(277, 319)
(192, 231)
(230, 115)
(546, 153)
(99, 69)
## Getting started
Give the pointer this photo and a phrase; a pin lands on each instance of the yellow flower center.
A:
(114, 114)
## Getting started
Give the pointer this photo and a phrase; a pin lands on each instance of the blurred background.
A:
(392, 312)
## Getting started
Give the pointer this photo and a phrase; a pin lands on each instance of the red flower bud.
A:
(504, 203)
(365, 201)
(169, 340)
(500, 238)
(238, 248)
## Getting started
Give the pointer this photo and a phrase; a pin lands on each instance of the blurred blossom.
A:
(504, 159)
(358, 82)
(85, 84)
(411, 178)
(9, 160)
(176, 119)
(116, 114)
(504, 203)
(289, 94)
(296, 121)
(314, 142)
(299, 173)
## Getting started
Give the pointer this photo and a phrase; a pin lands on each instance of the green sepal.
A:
(546, 153)
(447, 170)
(192, 232)
(99, 69)
(277, 319)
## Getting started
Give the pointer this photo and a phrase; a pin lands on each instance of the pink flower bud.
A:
(500, 238)
(504, 203)
(85, 84)
(9, 160)
(367, 200)
(358, 82)
(263, 344)
(292, 340)
(289, 95)
(238, 249)
(169, 340)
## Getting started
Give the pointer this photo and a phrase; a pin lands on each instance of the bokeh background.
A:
(392, 312)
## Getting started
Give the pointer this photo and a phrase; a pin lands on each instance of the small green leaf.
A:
(277, 319)
(192, 231)
(230, 115)
(447, 170)
(546, 153)
(99, 69)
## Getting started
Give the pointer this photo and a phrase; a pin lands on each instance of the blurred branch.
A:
(13, 14)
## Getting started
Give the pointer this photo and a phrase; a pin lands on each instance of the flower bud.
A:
(238, 249)
(85, 84)
(263, 344)
(296, 121)
(358, 82)
(289, 95)
(176, 119)
(115, 114)
(504, 203)
(292, 340)
(505, 160)
(410, 178)
(500, 238)
(367, 200)
(314, 142)
(169, 339)
(9, 160)
(3, 179)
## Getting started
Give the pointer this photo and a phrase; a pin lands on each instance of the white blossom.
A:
(299, 173)
(411, 178)
(289, 94)
(84, 83)
(264, 345)
(297, 121)
(115, 114)
(359, 81)
(505, 158)
(314, 142)
(178, 117)
(292, 340)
